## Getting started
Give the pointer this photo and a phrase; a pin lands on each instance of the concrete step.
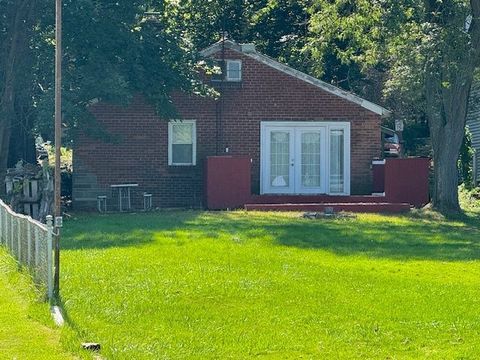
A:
(357, 207)
(307, 199)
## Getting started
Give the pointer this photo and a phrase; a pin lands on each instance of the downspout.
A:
(220, 103)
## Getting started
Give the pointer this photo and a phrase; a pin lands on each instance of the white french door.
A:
(309, 161)
(304, 157)
(279, 170)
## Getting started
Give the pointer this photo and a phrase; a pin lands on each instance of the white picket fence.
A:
(30, 242)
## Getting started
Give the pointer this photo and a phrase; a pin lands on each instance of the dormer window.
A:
(234, 70)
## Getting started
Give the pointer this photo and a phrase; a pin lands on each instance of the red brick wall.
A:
(264, 94)
(268, 94)
(141, 156)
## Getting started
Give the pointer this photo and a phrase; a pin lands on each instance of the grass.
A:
(26, 332)
(236, 285)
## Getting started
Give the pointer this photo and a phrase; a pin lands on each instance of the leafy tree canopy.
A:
(112, 51)
(417, 57)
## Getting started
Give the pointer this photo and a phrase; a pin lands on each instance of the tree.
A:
(278, 27)
(16, 26)
(202, 22)
(428, 51)
(112, 51)
(453, 35)
(415, 56)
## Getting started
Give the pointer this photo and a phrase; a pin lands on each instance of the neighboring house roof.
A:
(250, 51)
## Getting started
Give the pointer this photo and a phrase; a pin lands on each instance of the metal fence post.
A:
(37, 247)
(5, 232)
(29, 243)
(2, 230)
(11, 233)
(19, 240)
(49, 256)
(2, 225)
(7, 229)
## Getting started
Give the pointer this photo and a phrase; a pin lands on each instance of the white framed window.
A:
(233, 70)
(337, 160)
(182, 142)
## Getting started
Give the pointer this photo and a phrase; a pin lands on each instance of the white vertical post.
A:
(5, 232)
(11, 233)
(29, 243)
(37, 247)
(5, 218)
(19, 240)
(49, 256)
(6, 229)
(5, 226)
(2, 226)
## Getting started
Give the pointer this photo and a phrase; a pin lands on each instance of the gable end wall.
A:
(264, 94)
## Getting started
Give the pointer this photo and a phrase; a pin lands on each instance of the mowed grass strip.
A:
(236, 285)
(23, 333)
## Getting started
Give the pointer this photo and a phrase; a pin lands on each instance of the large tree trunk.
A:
(17, 41)
(446, 111)
(445, 156)
(4, 146)
(448, 81)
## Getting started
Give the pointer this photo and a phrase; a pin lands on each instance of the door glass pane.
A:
(279, 159)
(337, 176)
(310, 159)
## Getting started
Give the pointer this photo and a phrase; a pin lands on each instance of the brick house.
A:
(303, 136)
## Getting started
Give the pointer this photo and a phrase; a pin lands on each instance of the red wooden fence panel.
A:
(406, 181)
(227, 182)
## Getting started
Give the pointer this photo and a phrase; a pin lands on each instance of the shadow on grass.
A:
(407, 237)
(93, 231)
(82, 335)
(403, 242)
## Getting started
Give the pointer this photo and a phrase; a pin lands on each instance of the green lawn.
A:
(237, 285)
(23, 317)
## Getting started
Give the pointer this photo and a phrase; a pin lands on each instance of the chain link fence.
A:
(30, 242)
